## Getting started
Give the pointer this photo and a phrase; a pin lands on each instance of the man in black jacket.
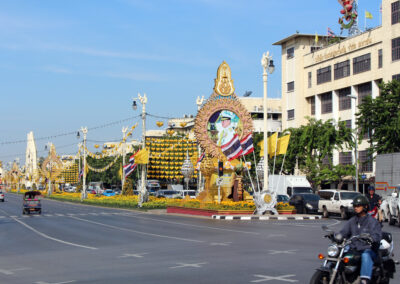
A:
(373, 198)
(363, 223)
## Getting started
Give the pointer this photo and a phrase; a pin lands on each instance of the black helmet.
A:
(360, 200)
(371, 187)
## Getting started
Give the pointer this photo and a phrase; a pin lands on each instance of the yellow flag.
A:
(283, 143)
(316, 38)
(368, 15)
(142, 157)
(261, 145)
(272, 144)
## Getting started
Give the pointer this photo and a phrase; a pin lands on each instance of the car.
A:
(190, 193)
(305, 203)
(334, 201)
(282, 198)
(1, 196)
(31, 202)
(168, 193)
(109, 192)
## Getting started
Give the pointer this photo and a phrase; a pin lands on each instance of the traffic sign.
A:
(363, 176)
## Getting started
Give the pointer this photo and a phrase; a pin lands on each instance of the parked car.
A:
(109, 192)
(1, 196)
(116, 189)
(169, 193)
(335, 201)
(305, 203)
(282, 198)
(190, 193)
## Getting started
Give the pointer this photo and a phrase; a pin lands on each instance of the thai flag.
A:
(232, 149)
(129, 168)
(247, 144)
(199, 161)
(331, 33)
(132, 158)
(81, 173)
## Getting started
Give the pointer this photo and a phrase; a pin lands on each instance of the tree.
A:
(380, 118)
(311, 147)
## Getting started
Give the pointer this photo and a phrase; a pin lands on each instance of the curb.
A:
(222, 217)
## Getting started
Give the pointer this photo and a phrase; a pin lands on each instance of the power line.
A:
(70, 133)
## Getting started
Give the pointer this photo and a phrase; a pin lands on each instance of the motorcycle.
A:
(342, 264)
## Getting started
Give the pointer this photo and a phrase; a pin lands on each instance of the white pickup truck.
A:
(333, 201)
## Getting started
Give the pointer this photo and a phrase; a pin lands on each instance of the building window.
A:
(396, 48)
(311, 102)
(348, 123)
(290, 114)
(290, 86)
(324, 75)
(362, 63)
(290, 53)
(395, 12)
(396, 77)
(345, 158)
(342, 69)
(365, 161)
(326, 103)
(344, 99)
(315, 48)
(309, 79)
(380, 58)
(364, 90)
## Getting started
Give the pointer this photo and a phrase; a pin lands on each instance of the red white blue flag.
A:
(247, 144)
(199, 161)
(331, 33)
(232, 149)
(129, 168)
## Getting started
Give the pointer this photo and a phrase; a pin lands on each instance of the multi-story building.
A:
(317, 79)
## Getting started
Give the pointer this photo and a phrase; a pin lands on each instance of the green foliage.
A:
(128, 187)
(380, 118)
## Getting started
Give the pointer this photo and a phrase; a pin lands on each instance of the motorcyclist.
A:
(363, 223)
(374, 199)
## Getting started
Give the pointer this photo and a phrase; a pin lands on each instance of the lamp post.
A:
(268, 66)
(124, 129)
(356, 144)
(84, 131)
(143, 101)
(199, 103)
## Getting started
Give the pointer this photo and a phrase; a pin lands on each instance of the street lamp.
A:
(268, 66)
(143, 101)
(199, 102)
(84, 131)
(356, 144)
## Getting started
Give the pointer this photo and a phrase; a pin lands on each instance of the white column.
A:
(335, 105)
(317, 107)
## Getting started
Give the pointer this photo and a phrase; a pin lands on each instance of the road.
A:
(73, 243)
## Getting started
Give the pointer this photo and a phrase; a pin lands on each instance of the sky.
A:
(68, 64)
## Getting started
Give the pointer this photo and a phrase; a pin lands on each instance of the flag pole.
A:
(365, 20)
(255, 166)
(248, 171)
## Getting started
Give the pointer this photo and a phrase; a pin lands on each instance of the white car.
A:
(2, 196)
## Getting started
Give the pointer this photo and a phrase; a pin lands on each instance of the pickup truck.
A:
(333, 201)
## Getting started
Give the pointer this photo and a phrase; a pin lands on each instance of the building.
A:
(317, 78)
(254, 106)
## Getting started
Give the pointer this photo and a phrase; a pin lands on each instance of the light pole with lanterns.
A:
(84, 131)
(268, 66)
(143, 101)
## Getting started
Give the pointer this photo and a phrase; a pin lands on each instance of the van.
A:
(289, 184)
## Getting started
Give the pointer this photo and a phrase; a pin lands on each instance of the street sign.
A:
(363, 176)
(219, 181)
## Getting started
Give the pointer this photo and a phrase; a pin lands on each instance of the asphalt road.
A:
(72, 243)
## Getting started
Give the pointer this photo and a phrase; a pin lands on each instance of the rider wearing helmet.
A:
(363, 223)
(373, 198)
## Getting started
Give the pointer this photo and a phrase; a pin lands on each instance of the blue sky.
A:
(66, 64)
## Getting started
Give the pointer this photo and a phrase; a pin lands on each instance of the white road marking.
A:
(49, 215)
(51, 238)
(276, 235)
(195, 265)
(13, 216)
(138, 232)
(61, 215)
(221, 244)
(94, 214)
(11, 271)
(41, 282)
(190, 225)
(265, 278)
(2, 216)
(291, 251)
(137, 255)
